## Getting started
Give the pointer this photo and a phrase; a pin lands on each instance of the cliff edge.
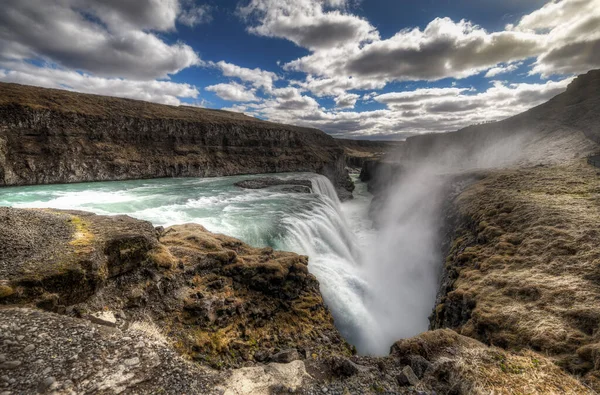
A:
(54, 136)
(126, 308)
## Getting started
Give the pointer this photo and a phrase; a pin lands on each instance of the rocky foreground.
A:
(94, 304)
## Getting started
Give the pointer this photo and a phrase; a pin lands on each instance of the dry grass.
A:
(462, 365)
(493, 371)
(6, 291)
(528, 258)
(163, 258)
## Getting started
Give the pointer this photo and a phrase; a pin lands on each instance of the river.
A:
(334, 235)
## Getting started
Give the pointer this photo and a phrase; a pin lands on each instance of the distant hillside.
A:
(57, 136)
(359, 151)
(566, 126)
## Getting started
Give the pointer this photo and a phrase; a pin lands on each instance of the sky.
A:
(362, 69)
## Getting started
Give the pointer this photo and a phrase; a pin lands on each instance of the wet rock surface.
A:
(292, 185)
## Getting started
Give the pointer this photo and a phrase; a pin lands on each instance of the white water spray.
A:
(324, 235)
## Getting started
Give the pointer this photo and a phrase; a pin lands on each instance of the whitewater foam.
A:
(312, 224)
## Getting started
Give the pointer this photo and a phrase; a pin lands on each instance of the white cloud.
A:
(494, 71)
(563, 36)
(233, 92)
(117, 44)
(408, 97)
(571, 34)
(336, 86)
(306, 22)
(443, 49)
(347, 100)
(257, 77)
(165, 92)
(556, 13)
(195, 15)
(409, 112)
(118, 14)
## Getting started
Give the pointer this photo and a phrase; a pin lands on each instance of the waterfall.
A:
(322, 233)
(322, 186)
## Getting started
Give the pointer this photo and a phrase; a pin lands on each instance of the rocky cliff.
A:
(96, 304)
(359, 151)
(54, 136)
(522, 269)
(222, 301)
(562, 128)
(520, 252)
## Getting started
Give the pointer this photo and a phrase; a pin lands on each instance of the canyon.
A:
(51, 136)
(498, 218)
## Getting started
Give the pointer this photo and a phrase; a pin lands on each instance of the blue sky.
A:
(227, 39)
(372, 69)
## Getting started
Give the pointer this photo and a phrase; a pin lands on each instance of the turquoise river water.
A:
(331, 233)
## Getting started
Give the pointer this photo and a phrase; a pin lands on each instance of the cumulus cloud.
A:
(408, 97)
(347, 100)
(233, 92)
(119, 15)
(307, 23)
(571, 34)
(195, 15)
(409, 113)
(562, 36)
(337, 85)
(443, 49)
(257, 77)
(165, 92)
(494, 71)
(117, 44)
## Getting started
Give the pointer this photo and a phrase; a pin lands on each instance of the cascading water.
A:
(324, 235)
(337, 237)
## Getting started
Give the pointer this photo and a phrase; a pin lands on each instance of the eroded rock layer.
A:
(53, 136)
(221, 301)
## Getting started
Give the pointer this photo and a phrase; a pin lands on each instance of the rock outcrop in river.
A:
(54, 136)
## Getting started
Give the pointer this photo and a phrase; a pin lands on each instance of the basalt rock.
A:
(222, 302)
(52, 136)
(267, 182)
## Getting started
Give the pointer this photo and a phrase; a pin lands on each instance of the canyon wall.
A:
(562, 128)
(517, 234)
(52, 136)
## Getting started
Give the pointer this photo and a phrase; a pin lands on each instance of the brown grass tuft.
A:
(537, 247)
